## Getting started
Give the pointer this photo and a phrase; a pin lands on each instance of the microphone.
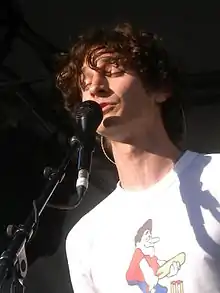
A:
(88, 116)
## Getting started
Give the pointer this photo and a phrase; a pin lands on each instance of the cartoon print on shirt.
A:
(146, 269)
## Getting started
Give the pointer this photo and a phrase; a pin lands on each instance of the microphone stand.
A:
(13, 261)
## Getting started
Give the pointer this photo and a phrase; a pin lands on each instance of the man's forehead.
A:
(100, 58)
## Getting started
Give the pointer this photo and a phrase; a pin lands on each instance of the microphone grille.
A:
(91, 113)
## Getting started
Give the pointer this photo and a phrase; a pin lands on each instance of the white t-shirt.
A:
(159, 240)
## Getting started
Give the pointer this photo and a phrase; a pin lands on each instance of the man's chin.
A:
(106, 131)
(101, 130)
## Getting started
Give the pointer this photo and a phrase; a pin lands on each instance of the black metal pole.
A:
(23, 233)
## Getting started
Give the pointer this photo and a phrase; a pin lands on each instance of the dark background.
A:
(34, 128)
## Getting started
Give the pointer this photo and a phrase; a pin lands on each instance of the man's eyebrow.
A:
(87, 68)
(105, 61)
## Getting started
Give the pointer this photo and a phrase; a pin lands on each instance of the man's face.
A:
(127, 108)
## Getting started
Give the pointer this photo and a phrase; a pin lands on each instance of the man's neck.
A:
(139, 168)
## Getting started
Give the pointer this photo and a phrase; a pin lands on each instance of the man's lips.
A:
(103, 105)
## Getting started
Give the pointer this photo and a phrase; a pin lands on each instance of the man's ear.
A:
(161, 97)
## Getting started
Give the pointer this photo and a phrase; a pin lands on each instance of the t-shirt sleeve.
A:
(78, 245)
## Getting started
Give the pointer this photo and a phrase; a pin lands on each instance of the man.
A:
(162, 191)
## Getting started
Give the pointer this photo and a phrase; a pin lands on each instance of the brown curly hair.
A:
(134, 49)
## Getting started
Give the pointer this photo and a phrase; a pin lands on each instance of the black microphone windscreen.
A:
(88, 116)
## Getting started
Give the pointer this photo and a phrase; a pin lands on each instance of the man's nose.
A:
(99, 85)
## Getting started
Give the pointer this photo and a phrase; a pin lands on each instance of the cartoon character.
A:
(145, 269)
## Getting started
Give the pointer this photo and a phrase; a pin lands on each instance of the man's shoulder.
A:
(92, 219)
(215, 157)
(210, 161)
(199, 168)
(208, 169)
(206, 160)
